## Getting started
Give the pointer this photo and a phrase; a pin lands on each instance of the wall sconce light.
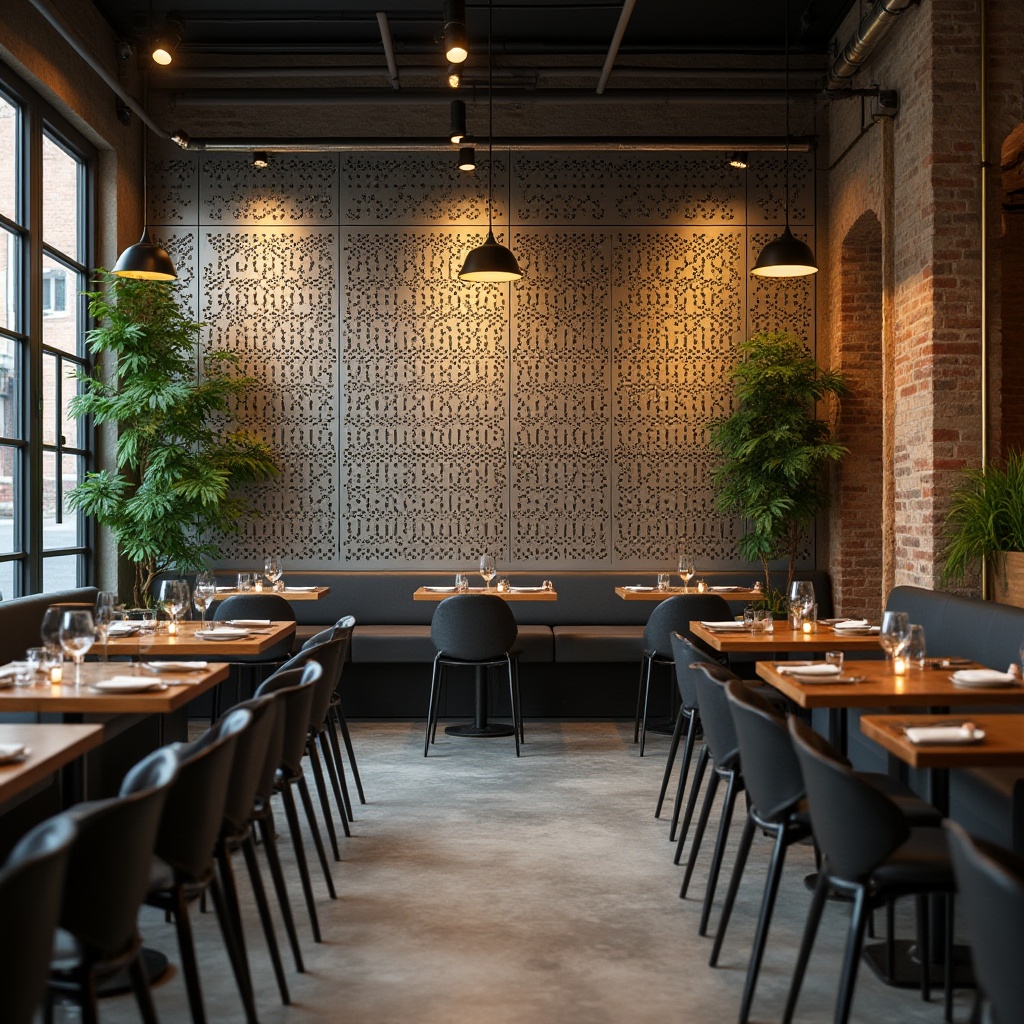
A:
(455, 46)
(454, 75)
(260, 160)
(458, 132)
(169, 39)
(738, 160)
(467, 158)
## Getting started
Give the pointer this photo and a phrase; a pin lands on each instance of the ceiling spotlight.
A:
(455, 46)
(458, 131)
(454, 75)
(738, 160)
(169, 39)
(260, 160)
(467, 158)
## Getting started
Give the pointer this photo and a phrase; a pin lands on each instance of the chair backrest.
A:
(855, 825)
(770, 766)
(328, 656)
(473, 627)
(990, 881)
(342, 628)
(257, 755)
(715, 716)
(31, 889)
(194, 808)
(294, 689)
(685, 653)
(107, 874)
(674, 615)
(255, 606)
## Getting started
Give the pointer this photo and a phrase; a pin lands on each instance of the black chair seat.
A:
(922, 861)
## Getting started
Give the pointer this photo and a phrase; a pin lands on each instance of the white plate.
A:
(638, 589)
(299, 590)
(121, 629)
(440, 590)
(175, 666)
(127, 685)
(947, 736)
(527, 590)
(725, 590)
(13, 752)
(223, 634)
(724, 625)
(999, 682)
(858, 631)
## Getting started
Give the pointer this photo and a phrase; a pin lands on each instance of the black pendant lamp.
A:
(786, 256)
(491, 261)
(145, 260)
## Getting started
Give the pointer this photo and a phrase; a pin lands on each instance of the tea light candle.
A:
(172, 628)
(808, 626)
(899, 666)
(56, 673)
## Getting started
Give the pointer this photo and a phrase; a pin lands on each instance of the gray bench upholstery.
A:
(21, 617)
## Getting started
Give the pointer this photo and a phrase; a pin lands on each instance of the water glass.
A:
(834, 658)
(147, 620)
(915, 652)
(664, 581)
(748, 618)
(894, 634)
(35, 657)
(461, 582)
(245, 582)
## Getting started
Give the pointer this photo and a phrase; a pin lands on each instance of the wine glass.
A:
(273, 569)
(894, 634)
(204, 594)
(686, 570)
(77, 635)
(107, 610)
(801, 601)
(487, 570)
(174, 597)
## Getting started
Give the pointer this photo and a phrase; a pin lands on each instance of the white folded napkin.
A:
(299, 590)
(814, 669)
(850, 624)
(984, 677)
(12, 668)
(249, 622)
(175, 666)
(945, 734)
(223, 590)
(122, 628)
(725, 589)
(8, 751)
(723, 624)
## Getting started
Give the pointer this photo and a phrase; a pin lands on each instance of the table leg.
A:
(480, 726)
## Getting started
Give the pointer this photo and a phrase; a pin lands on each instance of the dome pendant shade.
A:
(490, 262)
(146, 261)
(785, 256)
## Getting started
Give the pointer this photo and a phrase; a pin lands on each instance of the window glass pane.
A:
(72, 437)
(8, 468)
(10, 295)
(61, 572)
(60, 199)
(9, 123)
(51, 369)
(65, 534)
(9, 391)
(7, 584)
(60, 306)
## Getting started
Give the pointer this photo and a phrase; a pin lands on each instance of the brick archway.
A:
(855, 536)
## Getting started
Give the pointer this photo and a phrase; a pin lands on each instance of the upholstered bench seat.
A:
(411, 644)
(599, 643)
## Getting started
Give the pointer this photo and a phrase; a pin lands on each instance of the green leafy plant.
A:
(985, 518)
(179, 460)
(774, 449)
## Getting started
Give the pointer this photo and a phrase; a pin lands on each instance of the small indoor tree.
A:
(179, 459)
(774, 448)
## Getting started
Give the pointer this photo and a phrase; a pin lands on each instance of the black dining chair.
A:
(673, 615)
(473, 631)
(990, 883)
(183, 863)
(873, 855)
(31, 888)
(106, 881)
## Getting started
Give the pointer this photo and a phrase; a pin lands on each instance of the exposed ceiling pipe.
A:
(389, 47)
(349, 97)
(668, 144)
(613, 49)
(869, 33)
(76, 44)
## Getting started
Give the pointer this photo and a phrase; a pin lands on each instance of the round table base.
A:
(118, 984)
(471, 729)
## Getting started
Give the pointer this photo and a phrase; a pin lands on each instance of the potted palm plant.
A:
(985, 523)
(180, 460)
(774, 449)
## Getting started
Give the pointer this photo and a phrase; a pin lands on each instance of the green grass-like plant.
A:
(179, 459)
(985, 518)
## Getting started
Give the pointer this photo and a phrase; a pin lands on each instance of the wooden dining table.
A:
(628, 593)
(185, 643)
(49, 748)
(289, 593)
(515, 594)
(1001, 746)
(784, 640)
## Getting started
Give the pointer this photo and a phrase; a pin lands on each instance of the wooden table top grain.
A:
(784, 640)
(1002, 745)
(187, 645)
(426, 594)
(50, 748)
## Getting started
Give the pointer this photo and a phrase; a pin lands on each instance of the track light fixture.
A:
(455, 47)
(738, 160)
(491, 261)
(454, 75)
(458, 130)
(786, 256)
(169, 39)
(467, 158)
(260, 159)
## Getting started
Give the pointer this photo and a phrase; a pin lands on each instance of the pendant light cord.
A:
(490, 121)
(786, 37)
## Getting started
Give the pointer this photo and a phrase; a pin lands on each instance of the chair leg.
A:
(923, 946)
(806, 944)
(684, 772)
(698, 835)
(186, 948)
(339, 718)
(229, 890)
(329, 737)
(277, 877)
(947, 1000)
(235, 953)
(519, 699)
(639, 700)
(732, 789)
(321, 792)
(140, 986)
(691, 802)
(647, 697)
(746, 839)
(260, 894)
(314, 828)
(300, 858)
(435, 681)
(851, 962)
(673, 746)
(513, 698)
(771, 891)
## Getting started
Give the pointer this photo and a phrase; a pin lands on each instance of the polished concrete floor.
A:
(481, 888)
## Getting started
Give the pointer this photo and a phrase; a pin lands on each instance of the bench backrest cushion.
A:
(21, 617)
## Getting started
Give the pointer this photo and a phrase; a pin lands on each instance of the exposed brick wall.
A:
(1011, 378)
